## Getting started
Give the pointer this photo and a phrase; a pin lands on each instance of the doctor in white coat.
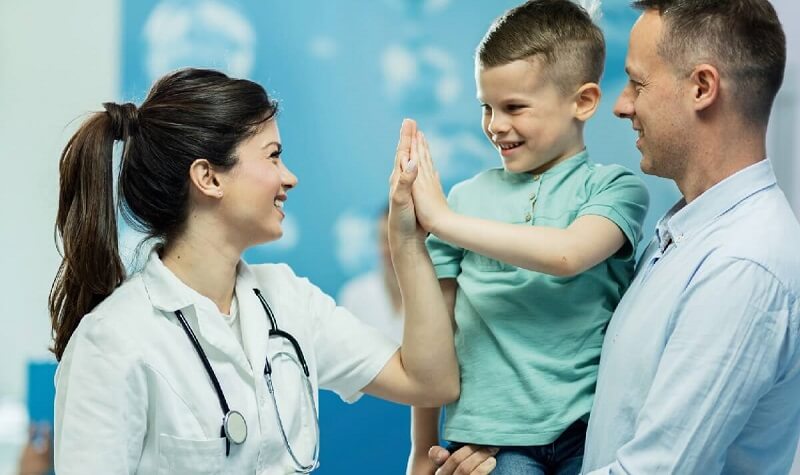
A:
(200, 363)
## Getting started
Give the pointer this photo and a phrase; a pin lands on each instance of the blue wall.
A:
(346, 73)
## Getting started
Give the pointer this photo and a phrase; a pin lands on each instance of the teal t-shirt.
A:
(528, 343)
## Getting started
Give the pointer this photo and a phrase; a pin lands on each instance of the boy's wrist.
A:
(442, 223)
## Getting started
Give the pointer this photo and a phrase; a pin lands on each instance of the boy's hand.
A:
(402, 218)
(469, 459)
(429, 199)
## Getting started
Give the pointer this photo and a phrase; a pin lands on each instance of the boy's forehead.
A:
(518, 77)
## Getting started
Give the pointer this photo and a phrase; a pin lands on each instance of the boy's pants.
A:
(563, 456)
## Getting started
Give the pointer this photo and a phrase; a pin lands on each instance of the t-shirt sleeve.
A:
(621, 197)
(349, 353)
(446, 257)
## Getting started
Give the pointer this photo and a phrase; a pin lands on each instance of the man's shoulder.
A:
(764, 231)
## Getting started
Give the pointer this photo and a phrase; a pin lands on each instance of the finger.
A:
(486, 467)
(438, 455)
(467, 459)
(407, 131)
(456, 459)
(413, 159)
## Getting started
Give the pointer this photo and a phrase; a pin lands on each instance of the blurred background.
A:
(346, 73)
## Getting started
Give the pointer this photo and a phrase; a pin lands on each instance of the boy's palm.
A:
(429, 199)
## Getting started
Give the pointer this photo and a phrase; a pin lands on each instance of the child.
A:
(532, 257)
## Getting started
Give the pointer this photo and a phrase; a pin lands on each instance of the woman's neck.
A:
(204, 265)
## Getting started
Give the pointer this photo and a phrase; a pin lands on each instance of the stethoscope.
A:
(234, 425)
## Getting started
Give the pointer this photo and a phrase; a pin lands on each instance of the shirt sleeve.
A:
(101, 403)
(722, 356)
(349, 352)
(446, 257)
(621, 197)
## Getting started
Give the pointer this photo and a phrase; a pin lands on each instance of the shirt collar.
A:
(567, 165)
(683, 220)
(168, 293)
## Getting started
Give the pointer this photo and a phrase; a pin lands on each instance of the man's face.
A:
(654, 101)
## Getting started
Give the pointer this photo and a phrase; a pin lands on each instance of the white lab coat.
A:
(132, 395)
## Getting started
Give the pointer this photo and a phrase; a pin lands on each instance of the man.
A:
(700, 369)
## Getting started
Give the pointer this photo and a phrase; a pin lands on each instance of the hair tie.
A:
(124, 119)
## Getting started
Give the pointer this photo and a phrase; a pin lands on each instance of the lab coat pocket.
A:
(202, 457)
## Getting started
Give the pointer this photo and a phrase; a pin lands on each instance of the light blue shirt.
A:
(700, 367)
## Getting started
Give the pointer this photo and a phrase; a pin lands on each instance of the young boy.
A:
(532, 257)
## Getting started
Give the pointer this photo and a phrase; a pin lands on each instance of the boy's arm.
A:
(589, 240)
(425, 421)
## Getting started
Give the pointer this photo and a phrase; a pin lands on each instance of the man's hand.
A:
(468, 460)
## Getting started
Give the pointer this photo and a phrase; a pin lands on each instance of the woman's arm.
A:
(424, 372)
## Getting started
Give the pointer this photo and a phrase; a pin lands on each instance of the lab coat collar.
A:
(168, 294)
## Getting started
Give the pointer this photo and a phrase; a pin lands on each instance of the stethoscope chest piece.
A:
(235, 427)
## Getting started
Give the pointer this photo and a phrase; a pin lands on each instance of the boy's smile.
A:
(526, 117)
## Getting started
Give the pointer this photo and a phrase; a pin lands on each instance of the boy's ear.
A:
(204, 179)
(587, 99)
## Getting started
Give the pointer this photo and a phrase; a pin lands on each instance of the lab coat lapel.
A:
(168, 294)
(255, 324)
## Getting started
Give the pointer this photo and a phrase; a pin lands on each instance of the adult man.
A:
(700, 368)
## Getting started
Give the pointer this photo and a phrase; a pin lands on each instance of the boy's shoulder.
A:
(600, 176)
(486, 178)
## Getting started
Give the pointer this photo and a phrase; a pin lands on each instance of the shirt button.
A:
(532, 196)
(536, 177)
(527, 217)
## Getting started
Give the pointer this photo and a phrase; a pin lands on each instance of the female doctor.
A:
(200, 363)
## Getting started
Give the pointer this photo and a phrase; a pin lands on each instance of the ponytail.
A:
(91, 267)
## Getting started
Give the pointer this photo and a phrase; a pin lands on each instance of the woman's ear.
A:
(587, 99)
(204, 179)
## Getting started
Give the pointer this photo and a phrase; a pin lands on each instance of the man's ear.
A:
(204, 179)
(705, 84)
(587, 99)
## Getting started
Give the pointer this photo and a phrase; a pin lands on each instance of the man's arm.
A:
(723, 355)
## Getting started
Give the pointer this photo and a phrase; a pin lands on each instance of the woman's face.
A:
(255, 189)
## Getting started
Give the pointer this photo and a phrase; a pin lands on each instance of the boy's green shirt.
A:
(528, 343)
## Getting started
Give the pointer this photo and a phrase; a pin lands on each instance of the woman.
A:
(171, 370)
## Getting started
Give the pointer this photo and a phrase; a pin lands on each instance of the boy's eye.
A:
(514, 107)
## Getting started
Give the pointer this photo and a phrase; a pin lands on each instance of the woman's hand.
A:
(403, 226)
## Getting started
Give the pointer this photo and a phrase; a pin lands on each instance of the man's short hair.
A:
(559, 32)
(742, 38)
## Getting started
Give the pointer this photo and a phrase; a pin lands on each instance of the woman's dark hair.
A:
(188, 114)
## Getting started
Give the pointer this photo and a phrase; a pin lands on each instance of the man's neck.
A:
(721, 154)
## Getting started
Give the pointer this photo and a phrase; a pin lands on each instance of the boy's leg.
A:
(518, 461)
(568, 453)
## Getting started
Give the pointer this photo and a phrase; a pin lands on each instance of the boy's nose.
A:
(498, 125)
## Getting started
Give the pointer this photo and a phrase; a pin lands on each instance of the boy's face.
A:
(528, 120)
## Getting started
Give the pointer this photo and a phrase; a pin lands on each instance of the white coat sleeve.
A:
(101, 402)
(349, 352)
